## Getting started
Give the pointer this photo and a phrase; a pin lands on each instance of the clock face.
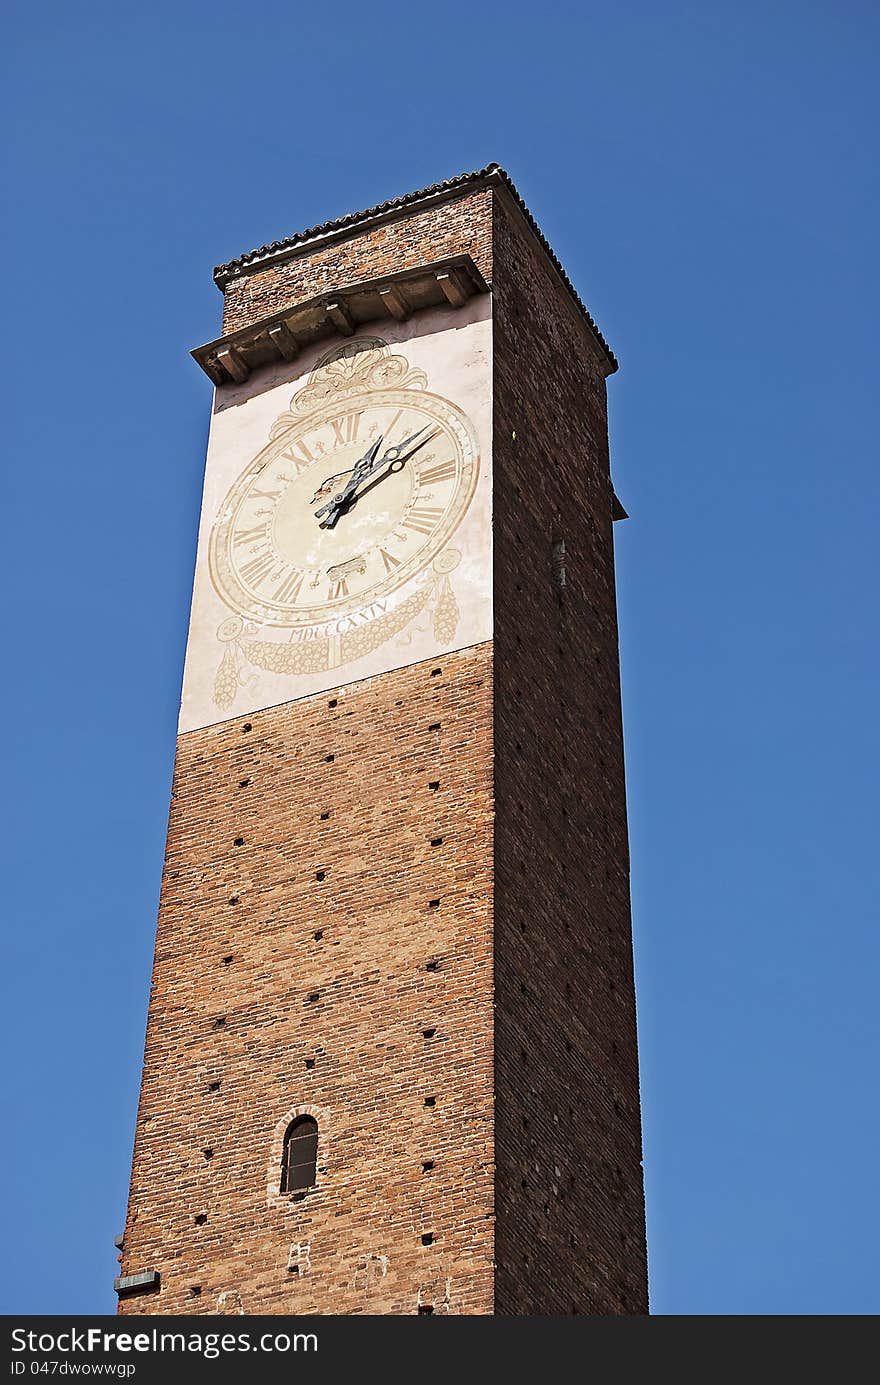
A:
(282, 553)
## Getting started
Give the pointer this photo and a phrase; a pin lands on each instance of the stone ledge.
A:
(137, 1283)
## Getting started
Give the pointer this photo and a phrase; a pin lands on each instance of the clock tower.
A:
(391, 1061)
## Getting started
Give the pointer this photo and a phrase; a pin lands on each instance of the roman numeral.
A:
(389, 560)
(346, 428)
(258, 569)
(289, 589)
(299, 454)
(338, 588)
(263, 495)
(422, 518)
(243, 536)
(443, 471)
(389, 427)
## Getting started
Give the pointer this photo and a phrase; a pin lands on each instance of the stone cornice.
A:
(451, 281)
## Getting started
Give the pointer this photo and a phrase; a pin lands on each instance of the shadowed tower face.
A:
(391, 1055)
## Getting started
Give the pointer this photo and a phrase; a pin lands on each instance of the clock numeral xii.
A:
(346, 428)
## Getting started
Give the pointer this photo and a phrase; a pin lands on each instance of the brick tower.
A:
(391, 1050)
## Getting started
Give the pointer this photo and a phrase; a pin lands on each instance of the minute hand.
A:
(392, 454)
(394, 460)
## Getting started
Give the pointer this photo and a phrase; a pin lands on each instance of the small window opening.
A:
(432, 966)
(201, 1218)
(428, 1238)
(299, 1160)
(226, 961)
(320, 875)
(312, 997)
(434, 785)
(243, 783)
(324, 817)
(435, 672)
(328, 759)
(427, 1165)
(247, 727)
(310, 1062)
(435, 726)
(319, 935)
(334, 702)
(428, 1033)
(195, 1290)
(433, 904)
(430, 1101)
(213, 1086)
(436, 841)
(239, 841)
(425, 1308)
(208, 1153)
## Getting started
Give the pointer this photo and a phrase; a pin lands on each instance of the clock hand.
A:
(360, 469)
(392, 454)
(366, 466)
(395, 463)
(393, 458)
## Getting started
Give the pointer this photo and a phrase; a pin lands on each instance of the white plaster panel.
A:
(404, 575)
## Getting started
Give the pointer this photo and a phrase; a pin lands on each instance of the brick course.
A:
(524, 969)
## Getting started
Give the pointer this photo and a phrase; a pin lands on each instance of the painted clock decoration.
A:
(355, 496)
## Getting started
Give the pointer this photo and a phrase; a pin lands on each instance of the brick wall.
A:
(262, 969)
(570, 1228)
(451, 228)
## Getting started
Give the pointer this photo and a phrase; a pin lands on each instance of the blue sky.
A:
(705, 173)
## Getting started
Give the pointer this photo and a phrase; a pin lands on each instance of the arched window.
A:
(300, 1157)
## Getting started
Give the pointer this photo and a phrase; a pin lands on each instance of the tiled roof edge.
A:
(253, 260)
